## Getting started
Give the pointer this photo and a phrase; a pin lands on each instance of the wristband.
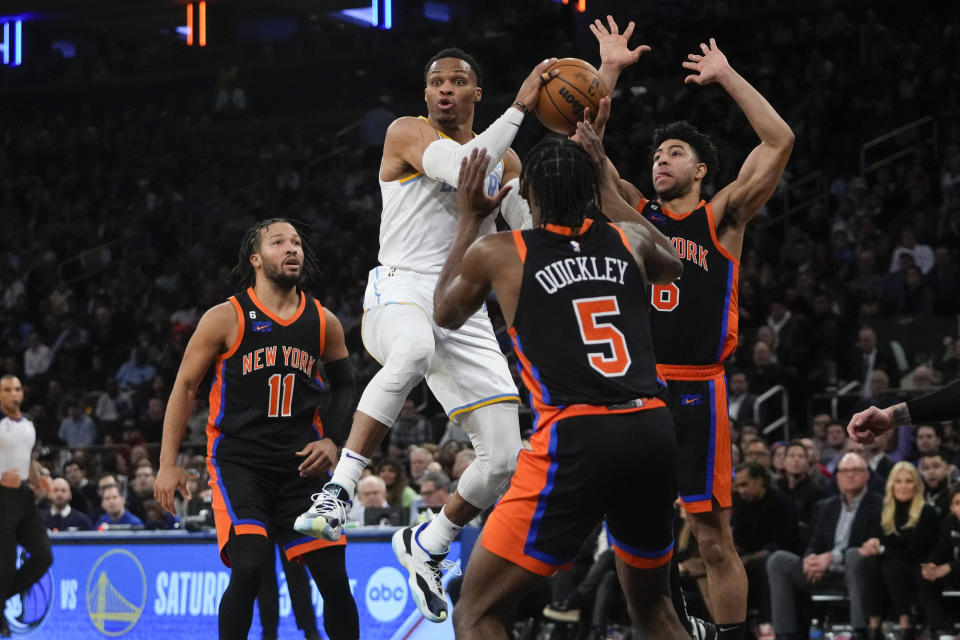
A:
(522, 106)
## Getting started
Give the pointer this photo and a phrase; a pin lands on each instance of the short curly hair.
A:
(702, 145)
(454, 52)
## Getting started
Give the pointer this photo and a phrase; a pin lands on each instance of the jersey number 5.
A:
(587, 311)
(275, 409)
(665, 297)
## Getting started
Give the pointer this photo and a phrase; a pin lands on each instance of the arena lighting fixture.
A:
(378, 14)
(12, 47)
(581, 5)
(201, 24)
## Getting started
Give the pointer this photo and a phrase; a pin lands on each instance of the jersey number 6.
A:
(665, 297)
(587, 311)
(275, 410)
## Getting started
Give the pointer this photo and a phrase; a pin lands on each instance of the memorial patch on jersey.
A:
(691, 399)
(264, 326)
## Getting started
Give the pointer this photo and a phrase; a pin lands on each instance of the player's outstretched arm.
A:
(943, 404)
(210, 339)
(465, 279)
(412, 142)
(615, 52)
(763, 168)
(320, 455)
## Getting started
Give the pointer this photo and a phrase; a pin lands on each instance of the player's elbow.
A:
(665, 269)
(446, 317)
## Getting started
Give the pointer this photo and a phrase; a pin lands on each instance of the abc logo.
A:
(386, 594)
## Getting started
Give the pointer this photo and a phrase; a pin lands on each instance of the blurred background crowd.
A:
(131, 163)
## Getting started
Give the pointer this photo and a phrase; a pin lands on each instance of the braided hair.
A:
(243, 273)
(563, 181)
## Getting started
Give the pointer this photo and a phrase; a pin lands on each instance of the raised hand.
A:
(614, 46)
(709, 67)
(471, 189)
(529, 91)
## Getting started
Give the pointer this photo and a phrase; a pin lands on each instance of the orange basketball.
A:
(564, 97)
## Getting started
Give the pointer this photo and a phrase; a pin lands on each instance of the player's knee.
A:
(716, 548)
(502, 464)
(465, 618)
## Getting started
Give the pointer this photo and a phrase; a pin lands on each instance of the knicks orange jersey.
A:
(266, 392)
(694, 320)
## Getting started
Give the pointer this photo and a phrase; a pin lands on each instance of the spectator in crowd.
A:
(779, 458)
(763, 521)
(921, 254)
(868, 358)
(447, 454)
(909, 532)
(798, 486)
(935, 473)
(371, 493)
(84, 492)
(115, 512)
(836, 439)
(434, 491)
(876, 455)
(757, 452)
(144, 479)
(411, 429)
(763, 372)
(132, 501)
(460, 463)
(929, 441)
(821, 477)
(420, 458)
(818, 429)
(399, 491)
(61, 516)
(77, 429)
(135, 372)
(37, 357)
(943, 568)
(741, 401)
(832, 557)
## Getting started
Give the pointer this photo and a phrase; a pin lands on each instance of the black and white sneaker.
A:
(426, 572)
(325, 518)
(701, 629)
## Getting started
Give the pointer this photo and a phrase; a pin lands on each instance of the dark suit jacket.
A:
(745, 412)
(76, 519)
(866, 524)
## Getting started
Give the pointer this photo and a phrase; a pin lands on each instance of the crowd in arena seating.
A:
(122, 220)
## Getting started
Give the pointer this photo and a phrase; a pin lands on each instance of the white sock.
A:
(349, 470)
(435, 538)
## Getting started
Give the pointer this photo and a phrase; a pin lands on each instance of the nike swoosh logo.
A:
(350, 455)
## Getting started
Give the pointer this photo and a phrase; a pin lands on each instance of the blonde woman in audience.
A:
(909, 534)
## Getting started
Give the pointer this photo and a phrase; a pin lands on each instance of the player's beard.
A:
(280, 279)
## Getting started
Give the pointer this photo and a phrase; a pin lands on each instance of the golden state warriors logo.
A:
(116, 592)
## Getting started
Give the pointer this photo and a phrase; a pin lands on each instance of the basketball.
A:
(563, 98)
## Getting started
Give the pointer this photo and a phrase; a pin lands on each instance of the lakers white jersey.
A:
(419, 220)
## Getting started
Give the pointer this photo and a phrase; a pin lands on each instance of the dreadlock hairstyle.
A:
(563, 180)
(460, 54)
(243, 273)
(701, 144)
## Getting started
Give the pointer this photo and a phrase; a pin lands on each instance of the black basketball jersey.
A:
(581, 329)
(266, 392)
(694, 319)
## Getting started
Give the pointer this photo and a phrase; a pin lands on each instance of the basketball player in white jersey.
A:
(464, 368)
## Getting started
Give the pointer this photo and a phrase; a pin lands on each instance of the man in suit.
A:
(741, 401)
(867, 358)
(832, 558)
(61, 516)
